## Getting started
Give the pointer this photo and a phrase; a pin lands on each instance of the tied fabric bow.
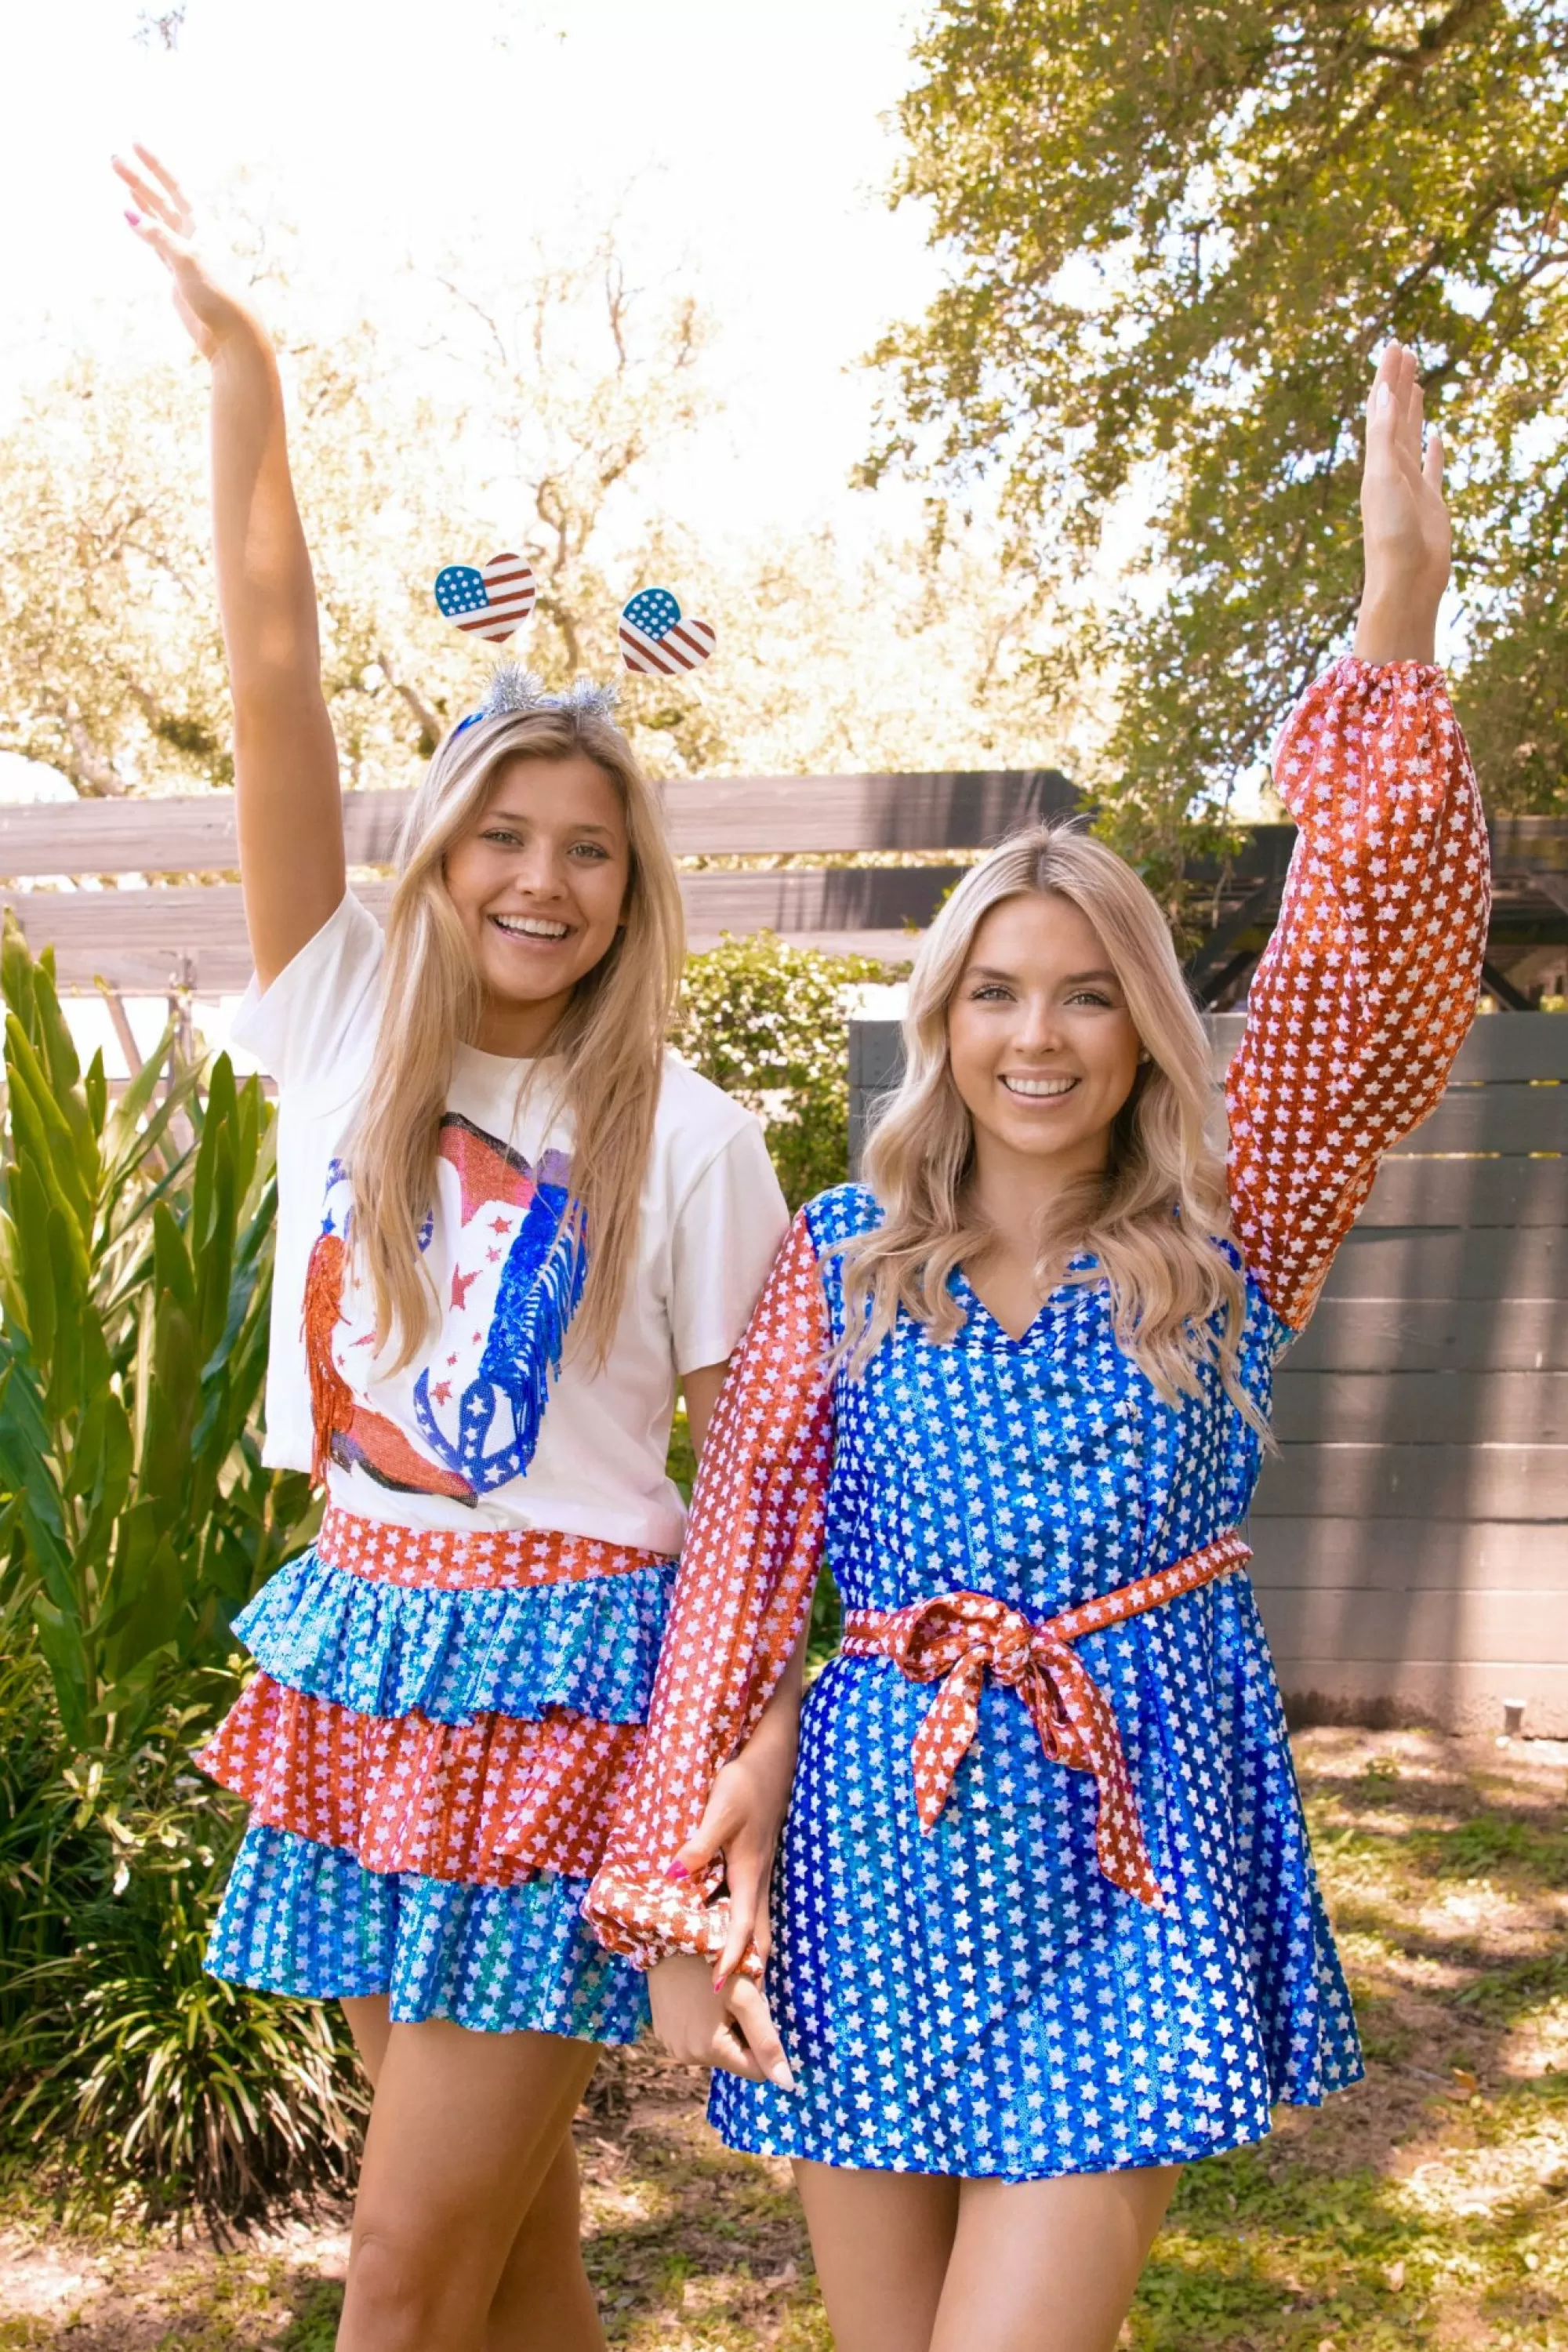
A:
(960, 1637)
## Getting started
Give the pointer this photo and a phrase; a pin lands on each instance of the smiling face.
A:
(1041, 1044)
(540, 885)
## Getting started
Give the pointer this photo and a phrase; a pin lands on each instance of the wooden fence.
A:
(192, 934)
(1411, 1537)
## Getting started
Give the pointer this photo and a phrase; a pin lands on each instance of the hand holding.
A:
(740, 1826)
(1406, 535)
(699, 2027)
(165, 220)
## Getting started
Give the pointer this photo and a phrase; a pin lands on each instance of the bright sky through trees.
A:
(740, 146)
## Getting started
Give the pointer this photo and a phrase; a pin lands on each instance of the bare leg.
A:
(371, 2025)
(1049, 2265)
(881, 2242)
(464, 2131)
(544, 2303)
(543, 2297)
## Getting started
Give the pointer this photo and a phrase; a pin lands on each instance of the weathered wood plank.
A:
(1500, 1046)
(1415, 1482)
(1480, 1555)
(876, 1054)
(832, 899)
(137, 938)
(1515, 1192)
(1376, 1334)
(1503, 1047)
(732, 816)
(1495, 1118)
(1440, 1623)
(1490, 1262)
(1421, 1408)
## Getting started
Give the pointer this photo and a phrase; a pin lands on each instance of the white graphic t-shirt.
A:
(490, 1425)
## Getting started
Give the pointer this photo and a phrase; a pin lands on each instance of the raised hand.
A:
(165, 220)
(1405, 535)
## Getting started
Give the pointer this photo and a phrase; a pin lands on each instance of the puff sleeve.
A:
(753, 1544)
(1366, 990)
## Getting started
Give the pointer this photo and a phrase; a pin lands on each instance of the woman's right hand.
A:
(165, 221)
(699, 2027)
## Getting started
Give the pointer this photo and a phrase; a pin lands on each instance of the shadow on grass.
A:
(1428, 2207)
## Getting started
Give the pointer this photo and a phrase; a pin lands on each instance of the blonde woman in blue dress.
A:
(1044, 1926)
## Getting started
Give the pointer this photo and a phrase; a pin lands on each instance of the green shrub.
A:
(769, 1023)
(136, 1518)
(145, 2069)
(136, 1277)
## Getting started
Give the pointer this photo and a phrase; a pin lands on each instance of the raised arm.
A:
(753, 1546)
(286, 763)
(1368, 986)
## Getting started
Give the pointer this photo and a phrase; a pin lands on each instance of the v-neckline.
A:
(1022, 1339)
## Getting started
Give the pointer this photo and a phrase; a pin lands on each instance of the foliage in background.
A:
(538, 416)
(1178, 238)
(136, 1518)
(135, 1256)
(767, 1022)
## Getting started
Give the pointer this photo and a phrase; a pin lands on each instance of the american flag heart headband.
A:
(492, 599)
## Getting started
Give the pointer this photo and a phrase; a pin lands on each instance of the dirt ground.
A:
(1425, 2212)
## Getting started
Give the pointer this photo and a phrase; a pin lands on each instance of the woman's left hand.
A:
(741, 1825)
(1405, 535)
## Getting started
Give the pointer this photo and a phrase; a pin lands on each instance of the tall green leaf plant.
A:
(135, 1275)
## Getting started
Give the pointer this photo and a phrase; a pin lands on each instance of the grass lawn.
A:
(1427, 2208)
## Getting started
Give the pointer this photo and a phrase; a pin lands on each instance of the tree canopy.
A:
(537, 418)
(1179, 230)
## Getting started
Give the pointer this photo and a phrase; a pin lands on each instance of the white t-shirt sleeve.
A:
(322, 1005)
(727, 1235)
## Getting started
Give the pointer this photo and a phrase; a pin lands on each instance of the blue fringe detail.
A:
(539, 1291)
(302, 1918)
(386, 1649)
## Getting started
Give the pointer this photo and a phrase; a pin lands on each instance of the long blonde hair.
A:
(1150, 1220)
(610, 1040)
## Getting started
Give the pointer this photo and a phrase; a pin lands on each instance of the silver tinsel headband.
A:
(514, 690)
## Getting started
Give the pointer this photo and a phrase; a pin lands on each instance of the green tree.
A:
(1178, 235)
(530, 422)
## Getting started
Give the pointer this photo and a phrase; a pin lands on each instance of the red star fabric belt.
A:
(957, 1638)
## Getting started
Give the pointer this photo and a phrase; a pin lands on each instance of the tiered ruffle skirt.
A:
(432, 1749)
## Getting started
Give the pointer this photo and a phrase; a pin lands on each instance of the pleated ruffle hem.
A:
(432, 1748)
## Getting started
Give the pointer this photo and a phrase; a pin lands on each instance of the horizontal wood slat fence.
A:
(190, 933)
(1411, 1537)
(139, 940)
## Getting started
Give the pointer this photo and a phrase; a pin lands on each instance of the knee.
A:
(402, 2293)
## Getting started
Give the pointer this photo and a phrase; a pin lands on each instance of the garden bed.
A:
(1425, 2212)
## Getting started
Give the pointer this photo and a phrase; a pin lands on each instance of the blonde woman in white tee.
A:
(508, 1223)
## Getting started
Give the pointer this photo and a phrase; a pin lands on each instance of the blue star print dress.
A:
(1058, 1914)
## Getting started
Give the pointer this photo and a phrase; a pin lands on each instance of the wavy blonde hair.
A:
(610, 1039)
(1151, 1218)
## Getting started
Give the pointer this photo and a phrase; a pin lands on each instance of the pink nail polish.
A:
(134, 219)
(678, 1870)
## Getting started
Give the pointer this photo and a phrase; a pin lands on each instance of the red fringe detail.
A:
(490, 1803)
(332, 1404)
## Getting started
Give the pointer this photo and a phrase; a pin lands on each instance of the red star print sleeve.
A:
(1368, 985)
(748, 1565)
